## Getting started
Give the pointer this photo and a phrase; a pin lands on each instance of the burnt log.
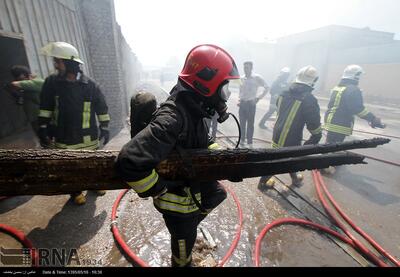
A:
(51, 172)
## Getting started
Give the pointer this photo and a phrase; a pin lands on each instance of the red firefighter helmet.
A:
(206, 67)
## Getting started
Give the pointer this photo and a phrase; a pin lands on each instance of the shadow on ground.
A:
(366, 186)
(69, 229)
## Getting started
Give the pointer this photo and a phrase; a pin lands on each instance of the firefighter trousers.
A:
(183, 232)
(333, 137)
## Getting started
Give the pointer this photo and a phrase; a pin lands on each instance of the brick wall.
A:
(99, 22)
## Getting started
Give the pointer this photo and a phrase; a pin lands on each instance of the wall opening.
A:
(12, 116)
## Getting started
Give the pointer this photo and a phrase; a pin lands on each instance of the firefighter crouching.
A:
(71, 100)
(179, 124)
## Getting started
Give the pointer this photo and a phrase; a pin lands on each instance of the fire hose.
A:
(349, 238)
(138, 261)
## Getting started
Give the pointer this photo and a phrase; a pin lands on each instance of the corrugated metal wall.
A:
(39, 22)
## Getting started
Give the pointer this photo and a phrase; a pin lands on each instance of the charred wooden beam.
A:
(50, 172)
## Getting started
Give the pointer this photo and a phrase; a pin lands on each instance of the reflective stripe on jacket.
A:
(345, 103)
(73, 107)
(297, 108)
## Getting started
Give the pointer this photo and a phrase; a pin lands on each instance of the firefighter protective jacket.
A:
(346, 102)
(177, 124)
(297, 107)
(72, 107)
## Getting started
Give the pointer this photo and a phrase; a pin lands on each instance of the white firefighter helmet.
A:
(307, 75)
(353, 72)
(61, 50)
(284, 73)
(285, 70)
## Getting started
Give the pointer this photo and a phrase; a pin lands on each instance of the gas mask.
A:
(217, 103)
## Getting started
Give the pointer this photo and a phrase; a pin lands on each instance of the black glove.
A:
(104, 133)
(43, 136)
(51, 131)
(377, 123)
(235, 179)
(308, 142)
(314, 139)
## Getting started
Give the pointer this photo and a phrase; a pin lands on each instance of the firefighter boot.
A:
(101, 192)
(79, 198)
(176, 262)
(329, 171)
(297, 179)
(266, 182)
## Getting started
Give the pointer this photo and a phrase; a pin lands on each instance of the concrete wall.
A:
(375, 54)
(381, 64)
(339, 37)
(318, 47)
(131, 68)
(330, 49)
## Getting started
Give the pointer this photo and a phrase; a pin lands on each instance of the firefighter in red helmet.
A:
(178, 124)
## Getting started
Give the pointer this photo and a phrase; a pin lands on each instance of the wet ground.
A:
(370, 194)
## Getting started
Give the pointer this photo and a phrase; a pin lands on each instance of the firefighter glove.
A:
(105, 133)
(43, 136)
(314, 139)
(235, 179)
